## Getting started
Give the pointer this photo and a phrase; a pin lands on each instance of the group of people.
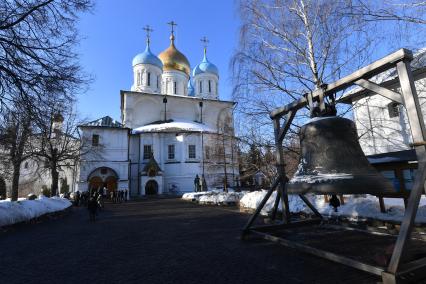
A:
(200, 183)
(94, 199)
(118, 196)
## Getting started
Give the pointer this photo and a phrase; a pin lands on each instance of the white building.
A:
(173, 127)
(383, 128)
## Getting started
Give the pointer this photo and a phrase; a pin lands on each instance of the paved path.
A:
(156, 241)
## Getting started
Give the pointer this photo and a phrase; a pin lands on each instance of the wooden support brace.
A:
(286, 125)
(418, 131)
(389, 94)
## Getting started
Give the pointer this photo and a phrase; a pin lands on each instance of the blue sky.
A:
(113, 35)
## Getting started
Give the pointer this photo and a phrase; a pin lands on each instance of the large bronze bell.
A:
(332, 161)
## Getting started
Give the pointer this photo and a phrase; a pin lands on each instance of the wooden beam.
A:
(368, 71)
(286, 125)
(418, 131)
(377, 270)
(389, 94)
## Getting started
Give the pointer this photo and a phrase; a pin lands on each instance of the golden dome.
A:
(173, 59)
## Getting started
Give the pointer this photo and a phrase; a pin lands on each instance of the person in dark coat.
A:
(77, 198)
(335, 202)
(197, 183)
(92, 206)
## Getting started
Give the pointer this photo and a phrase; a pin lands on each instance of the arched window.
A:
(148, 79)
(174, 87)
(138, 80)
(210, 86)
(158, 78)
(201, 87)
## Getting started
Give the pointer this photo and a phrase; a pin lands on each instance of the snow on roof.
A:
(173, 126)
(105, 121)
(418, 62)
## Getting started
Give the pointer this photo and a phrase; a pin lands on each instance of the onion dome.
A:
(147, 57)
(173, 59)
(205, 67)
(191, 91)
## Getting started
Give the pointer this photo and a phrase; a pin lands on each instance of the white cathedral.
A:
(173, 127)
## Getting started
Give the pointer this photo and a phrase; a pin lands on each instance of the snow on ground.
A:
(25, 210)
(214, 197)
(355, 207)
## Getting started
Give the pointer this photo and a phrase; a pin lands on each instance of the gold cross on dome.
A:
(148, 30)
(172, 24)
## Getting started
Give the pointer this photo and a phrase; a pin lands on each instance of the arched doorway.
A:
(2, 188)
(151, 187)
(111, 183)
(95, 183)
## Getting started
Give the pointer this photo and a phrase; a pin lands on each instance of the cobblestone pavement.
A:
(156, 241)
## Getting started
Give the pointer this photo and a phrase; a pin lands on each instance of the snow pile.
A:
(355, 208)
(193, 196)
(173, 126)
(214, 197)
(12, 212)
(221, 198)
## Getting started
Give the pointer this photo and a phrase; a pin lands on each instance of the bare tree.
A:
(36, 48)
(15, 129)
(37, 60)
(291, 47)
(56, 144)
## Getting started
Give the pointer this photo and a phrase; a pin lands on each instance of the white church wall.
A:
(112, 153)
(377, 131)
(141, 109)
(202, 88)
(142, 82)
(168, 83)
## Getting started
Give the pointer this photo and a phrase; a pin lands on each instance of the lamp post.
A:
(165, 108)
(202, 135)
(225, 186)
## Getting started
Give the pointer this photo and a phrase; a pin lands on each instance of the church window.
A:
(138, 80)
(171, 152)
(174, 87)
(158, 79)
(167, 87)
(191, 151)
(104, 171)
(95, 140)
(147, 152)
(393, 109)
(217, 87)
(148, 79)
(210, 86)
(201, 87)
(26, 165)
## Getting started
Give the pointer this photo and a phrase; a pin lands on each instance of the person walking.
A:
(197, 183)
(77, 198)
(92, 206)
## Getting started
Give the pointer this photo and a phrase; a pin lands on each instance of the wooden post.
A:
(281, 168)
(418, 131)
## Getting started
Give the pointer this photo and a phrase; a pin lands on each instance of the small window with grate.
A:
(171, 152)
(393, 109)
(147, 152)
(95, 140)
(191, 151)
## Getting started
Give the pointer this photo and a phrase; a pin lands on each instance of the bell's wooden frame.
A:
(396, 271)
